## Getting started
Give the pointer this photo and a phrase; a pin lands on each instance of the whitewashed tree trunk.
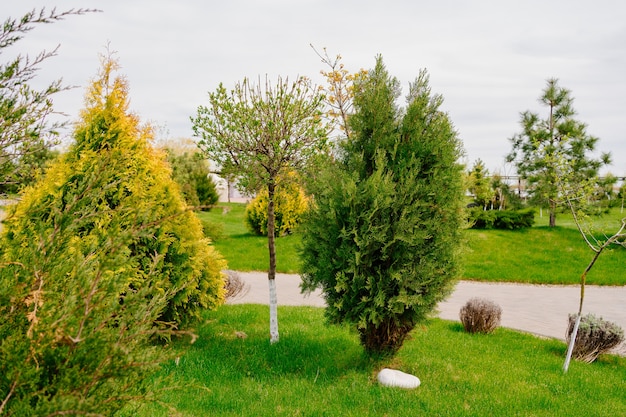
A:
(271, 274)
(570, 348)
(273, 312)
(583, 280)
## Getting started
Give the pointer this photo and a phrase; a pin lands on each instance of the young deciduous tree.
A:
(25, 125)
(576, 193)
(96, 260)
(382, 240)
(259, 134)
(557, 137)
(339, 91)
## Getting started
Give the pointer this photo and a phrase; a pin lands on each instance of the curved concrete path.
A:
(538, 309)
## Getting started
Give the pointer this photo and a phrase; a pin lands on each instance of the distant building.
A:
(226, 190)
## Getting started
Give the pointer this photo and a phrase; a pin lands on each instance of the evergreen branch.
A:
(5, 401)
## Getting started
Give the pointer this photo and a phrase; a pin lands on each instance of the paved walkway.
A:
(538, 309)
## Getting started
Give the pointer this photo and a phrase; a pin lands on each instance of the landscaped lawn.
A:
(539, 255)
(246, 251)
(320, 370)
(535, 255)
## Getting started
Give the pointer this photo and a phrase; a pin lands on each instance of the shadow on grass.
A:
(243, 236)
(235, 344)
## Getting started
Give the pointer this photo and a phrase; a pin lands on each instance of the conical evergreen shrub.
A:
(96, 259)
(383, 238)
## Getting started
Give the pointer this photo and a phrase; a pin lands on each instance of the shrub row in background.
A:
(501, 219)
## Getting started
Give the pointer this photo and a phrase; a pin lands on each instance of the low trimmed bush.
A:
(501, 219)
(514, 219)
(290, 205)
(235, 286)
(480, 315)
(481, 219)
(595, 336)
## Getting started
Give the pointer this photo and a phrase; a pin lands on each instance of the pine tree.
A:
(540, 150)
(191, 171)
(479, 185)
(383, 236)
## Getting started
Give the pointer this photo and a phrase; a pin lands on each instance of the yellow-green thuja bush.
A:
(142, 184)
(97, 259)
(290, 205)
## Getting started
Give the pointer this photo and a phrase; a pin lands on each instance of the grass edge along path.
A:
(320, 370)
(538, 255)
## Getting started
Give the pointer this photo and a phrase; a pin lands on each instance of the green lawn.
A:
(320, 370)
(607, 223)
(246, 251)
(535, 255)
(539, 255)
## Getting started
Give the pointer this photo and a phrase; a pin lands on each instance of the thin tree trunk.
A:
(583, 280)
(552, 173)
(274, 337)
(271, 275)
(552, 213)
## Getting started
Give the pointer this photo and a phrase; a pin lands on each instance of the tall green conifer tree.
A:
(383, 238)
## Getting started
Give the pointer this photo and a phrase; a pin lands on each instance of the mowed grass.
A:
(245, 251)
(539, 255)
(607, 223)
(536, 255)
(320, 370)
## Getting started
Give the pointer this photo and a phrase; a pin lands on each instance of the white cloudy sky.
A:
(489, 59)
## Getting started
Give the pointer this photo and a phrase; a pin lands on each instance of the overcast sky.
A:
(489, 59)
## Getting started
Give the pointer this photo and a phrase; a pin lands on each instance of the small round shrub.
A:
(290, 205)
(480, 315)
(213, 230)
(595, 336)
(235, 286)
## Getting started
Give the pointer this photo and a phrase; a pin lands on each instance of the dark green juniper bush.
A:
(382, 240)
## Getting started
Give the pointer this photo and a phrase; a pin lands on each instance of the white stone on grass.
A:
(395, 378)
